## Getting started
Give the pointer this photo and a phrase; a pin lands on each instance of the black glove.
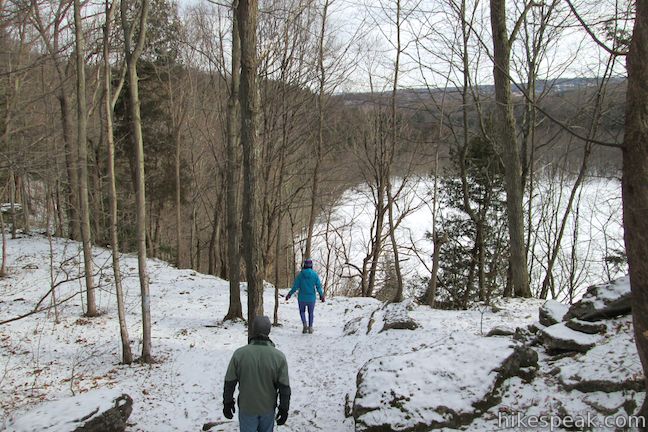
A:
(229, 409)
(282, 416)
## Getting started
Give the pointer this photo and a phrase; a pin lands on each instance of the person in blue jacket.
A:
(306, 282)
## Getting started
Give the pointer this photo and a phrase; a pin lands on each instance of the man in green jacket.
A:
(261, 372)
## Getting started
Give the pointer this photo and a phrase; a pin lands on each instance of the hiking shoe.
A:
(310, 330)
(305, 329)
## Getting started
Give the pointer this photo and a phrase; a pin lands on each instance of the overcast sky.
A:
(365, 31)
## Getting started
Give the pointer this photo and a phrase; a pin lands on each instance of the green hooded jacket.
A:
(261, 371)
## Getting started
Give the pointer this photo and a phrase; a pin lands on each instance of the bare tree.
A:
(321, 98)
(3, 264)
(51, 31)
(506, 136)
(235, 310)
(82, 164)
(580, 178)
(109, 106)
(398, 296)
(249, 98)
(132, 55)
(635, 183)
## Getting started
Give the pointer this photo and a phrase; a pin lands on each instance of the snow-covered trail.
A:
(191, 344)
(321, 368)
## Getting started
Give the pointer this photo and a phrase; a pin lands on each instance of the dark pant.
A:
(311, 312)
(256, 423)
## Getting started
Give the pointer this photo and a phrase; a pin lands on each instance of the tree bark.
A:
(48, 218)
(249, 99)
(505, 135)
(635, 182)
(390, 198)
(82, 163)
(439, 240)
(72, 204)
(235, 310)
(12, 204)
(132, 55)
(127, 355)
(320, 135)
(24, 203)
(59, 210)
(3, 265)
(178, 198)
(378, 237)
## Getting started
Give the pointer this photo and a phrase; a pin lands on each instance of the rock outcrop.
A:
(95, 411)
(603, 301)
(559, 338)
(552, 312)
(581, 326)
(444, 386)
(390, 316)
(612, 365)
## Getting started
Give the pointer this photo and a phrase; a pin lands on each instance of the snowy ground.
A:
(42, 361)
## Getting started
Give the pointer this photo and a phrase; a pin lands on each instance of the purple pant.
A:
(311, 312)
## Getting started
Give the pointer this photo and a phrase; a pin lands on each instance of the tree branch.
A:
(589, 31)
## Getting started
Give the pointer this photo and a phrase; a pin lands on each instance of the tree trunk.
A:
(24, 203)
(82, 163)
(127, 355)
(12, 204)
(378, 238)
(439, 240)
(505, 135)
(48, 217)
(178, 198)
(58, 209)
(3, 265)
(580, 178)
(279, 238)
(320, 134)
(480, 234)
(192, 235)
(249, 99)
(635, 182)
(136, 127)
(211, 253)
(390, 199)
(72, 203)
(398, 297)
(196, 229)
(99, 220)
(276, 269)
(235, 310)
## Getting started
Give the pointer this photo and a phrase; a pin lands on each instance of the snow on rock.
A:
(501, 331)
(552, 312)
(589, 327)
(397, 317)
(407, 392)
(391, 316)
(560, 338)
(354, 326)
(95, 411)
(613, 365)
(6, 207)
(603, 301)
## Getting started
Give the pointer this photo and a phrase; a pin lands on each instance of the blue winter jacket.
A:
(306, 282)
